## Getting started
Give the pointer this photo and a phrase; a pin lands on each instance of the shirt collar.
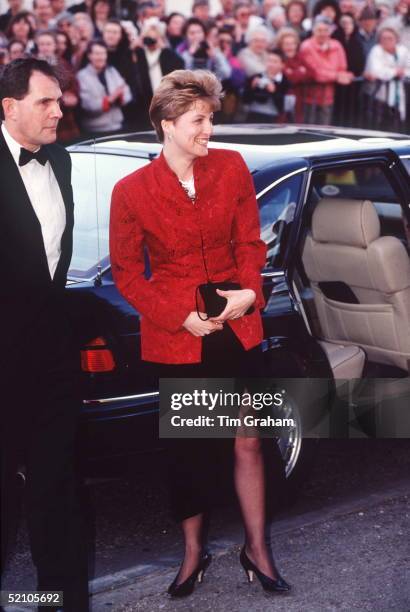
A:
(167, 181)
(91, 68)
(12, 144)
(323, 47)
(162, 164)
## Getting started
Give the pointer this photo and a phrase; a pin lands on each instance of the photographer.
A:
(265, 93)
(200, 53)
(153, 60)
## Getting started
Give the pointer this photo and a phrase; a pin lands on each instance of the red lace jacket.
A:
(150, 208)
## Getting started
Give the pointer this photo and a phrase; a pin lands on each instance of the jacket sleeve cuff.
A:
(255, 285)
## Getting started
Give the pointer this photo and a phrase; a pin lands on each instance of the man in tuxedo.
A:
(38, 359)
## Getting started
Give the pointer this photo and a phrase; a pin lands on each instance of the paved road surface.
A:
(344, 545)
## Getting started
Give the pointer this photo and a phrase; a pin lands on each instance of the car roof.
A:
(261, 144)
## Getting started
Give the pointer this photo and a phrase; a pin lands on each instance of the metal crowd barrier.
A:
(379, 105)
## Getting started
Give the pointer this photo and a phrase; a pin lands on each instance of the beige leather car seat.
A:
(344, 249)
(346, 361)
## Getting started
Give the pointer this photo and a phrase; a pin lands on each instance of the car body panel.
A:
(121, 407)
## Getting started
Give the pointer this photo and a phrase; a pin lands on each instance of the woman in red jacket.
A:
(195, 211)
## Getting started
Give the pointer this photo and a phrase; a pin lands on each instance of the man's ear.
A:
(9, 107)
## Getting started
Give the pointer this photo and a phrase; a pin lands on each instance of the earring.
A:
(169, 137)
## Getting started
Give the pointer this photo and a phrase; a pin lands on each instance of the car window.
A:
(406, 163)
(359, 182)
(276, 210)
(93, 179)
(363, 182)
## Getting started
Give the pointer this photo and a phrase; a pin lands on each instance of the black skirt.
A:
(197, 468)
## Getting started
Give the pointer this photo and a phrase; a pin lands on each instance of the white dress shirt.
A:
(45, 196)
(154, 67)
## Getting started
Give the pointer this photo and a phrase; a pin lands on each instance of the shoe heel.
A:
(278, 585)
(249, 573)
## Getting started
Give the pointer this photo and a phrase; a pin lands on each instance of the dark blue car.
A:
(308, 180)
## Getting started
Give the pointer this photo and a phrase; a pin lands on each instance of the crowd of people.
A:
(323, 61)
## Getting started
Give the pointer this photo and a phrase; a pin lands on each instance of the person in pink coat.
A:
(326, 60)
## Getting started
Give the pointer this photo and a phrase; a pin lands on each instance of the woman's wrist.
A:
(251, 293)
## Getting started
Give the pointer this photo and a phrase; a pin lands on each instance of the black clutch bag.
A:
(214, 304)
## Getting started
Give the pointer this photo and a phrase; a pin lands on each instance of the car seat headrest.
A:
(344, 221)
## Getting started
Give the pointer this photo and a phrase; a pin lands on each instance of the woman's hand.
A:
(135, 41)
(193, 48)
(116, 94)
(239, 300)
(211, 50)
(197, 327)
(345, 77)
(69, 99)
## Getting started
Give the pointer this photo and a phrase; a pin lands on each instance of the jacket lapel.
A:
(16, 205)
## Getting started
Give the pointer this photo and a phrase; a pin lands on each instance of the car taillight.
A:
(96, 357)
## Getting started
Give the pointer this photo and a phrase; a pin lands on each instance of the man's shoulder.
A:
(58, 150)
(169, 55)
(167, 52)
(59, 156)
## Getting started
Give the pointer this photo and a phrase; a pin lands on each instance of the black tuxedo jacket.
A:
(27, 290)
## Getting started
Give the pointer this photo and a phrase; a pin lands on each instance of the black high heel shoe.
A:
(269, 584)
(186, 587)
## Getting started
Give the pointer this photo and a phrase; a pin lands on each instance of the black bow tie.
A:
(26, 156)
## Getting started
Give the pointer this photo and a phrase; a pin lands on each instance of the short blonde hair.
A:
(387, 27)
(178, 91)
(284, 33)
(259, 30)
(156, 24)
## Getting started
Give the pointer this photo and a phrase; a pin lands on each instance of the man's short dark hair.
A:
(96, 42)
(15, 77)
(51, 33)
(146, 4)
(193, 21)
(276, 51)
